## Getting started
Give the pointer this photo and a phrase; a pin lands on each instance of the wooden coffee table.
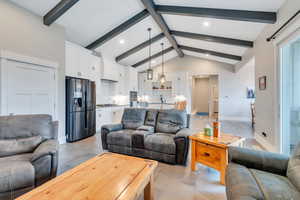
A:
(212, 151)
(105, 177)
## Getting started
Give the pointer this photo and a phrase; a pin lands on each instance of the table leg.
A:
(148, 191)
(224, 161)
(193, 160)
(222, 176)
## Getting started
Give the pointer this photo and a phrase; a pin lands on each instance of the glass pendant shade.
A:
(149, 74)
(162, 79)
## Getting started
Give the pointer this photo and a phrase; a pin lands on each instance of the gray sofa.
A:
(258, 175)
(156, 134)
(28, 153)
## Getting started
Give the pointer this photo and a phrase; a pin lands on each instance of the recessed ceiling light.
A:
(153, 61)
(206, 24)
(207, 55)
(122, 41)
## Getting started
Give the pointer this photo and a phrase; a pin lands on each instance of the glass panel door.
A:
(290, 95)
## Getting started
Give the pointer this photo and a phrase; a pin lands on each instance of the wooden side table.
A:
(213, 151)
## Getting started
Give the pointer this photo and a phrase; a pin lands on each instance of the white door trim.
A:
(5, 56)
(28, 59)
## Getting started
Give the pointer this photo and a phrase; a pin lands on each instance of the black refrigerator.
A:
(80, 109)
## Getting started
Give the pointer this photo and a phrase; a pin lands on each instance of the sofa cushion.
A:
(161, 142)
(151, 117)
(16, 175)
(133, 118)
(275, 187)
(240, 184)
(146, 128)
(122, 137)
(16, 146)
(294, 168)
(171, 121)
(138, 138)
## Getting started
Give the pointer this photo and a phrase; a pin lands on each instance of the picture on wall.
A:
(262, 81)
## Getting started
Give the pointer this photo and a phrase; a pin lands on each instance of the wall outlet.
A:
(264, 134)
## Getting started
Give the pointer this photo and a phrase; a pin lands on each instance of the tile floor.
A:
(171, 182)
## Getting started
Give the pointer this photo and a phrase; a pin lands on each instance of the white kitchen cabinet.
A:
(72, 59)
(109, 115)
(117, 115)
(85, 61)
(94, 68)
(103, 116)
(99, 119)
(81, 63)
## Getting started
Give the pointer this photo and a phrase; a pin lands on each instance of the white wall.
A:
(24, 33)
(233, 104)
(265, 65)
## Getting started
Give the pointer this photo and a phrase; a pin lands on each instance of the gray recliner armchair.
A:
(28, 153)
(259, 175)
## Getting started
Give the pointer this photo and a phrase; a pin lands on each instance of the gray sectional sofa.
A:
(258, 175)
(28, 153)
(156, 134)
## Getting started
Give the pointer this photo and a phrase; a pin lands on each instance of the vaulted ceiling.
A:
(88, 20)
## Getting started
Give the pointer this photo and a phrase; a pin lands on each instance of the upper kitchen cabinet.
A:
(72, 60)
(81, 63)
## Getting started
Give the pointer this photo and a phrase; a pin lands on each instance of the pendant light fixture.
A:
(149, 70)
(162, 78)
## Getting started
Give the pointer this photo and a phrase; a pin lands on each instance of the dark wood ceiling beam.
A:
(213, 53)
(210, 38)
(239, 15)
(139, 47)
(121, 28)
(151, 7)
(60, 9)
(153, 57)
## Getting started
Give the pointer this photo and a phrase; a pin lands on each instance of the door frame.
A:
(192, 78)
(6, 56)
(278, 89)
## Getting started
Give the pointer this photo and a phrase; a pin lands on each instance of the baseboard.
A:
(241, 119)
(264, 143)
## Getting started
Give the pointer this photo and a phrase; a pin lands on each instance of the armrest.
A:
(106, 129)
(49, 147)
(112, 127)
(261, 160)
(182, 145)
(185, 132)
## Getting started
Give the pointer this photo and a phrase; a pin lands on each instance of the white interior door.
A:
(30, 89)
